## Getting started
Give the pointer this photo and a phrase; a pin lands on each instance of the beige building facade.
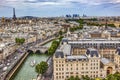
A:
(94, 58)
(6, 50)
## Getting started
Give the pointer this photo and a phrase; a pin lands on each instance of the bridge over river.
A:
(37, 47)
(40, 49)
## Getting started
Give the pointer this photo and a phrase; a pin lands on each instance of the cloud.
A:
(62, 3)
(51, 7)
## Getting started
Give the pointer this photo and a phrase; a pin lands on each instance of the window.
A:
(91, 60)
(56, 77)
(71, 72)
(76, 68)
(91, 64)
(76, 72)
(96, 67)
(82, 68)
(67, 68)
(59, 76)
(67, 72)
(82, 64)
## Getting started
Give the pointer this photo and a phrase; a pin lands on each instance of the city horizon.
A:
(54, 16)
(53, 8)
(59, 40)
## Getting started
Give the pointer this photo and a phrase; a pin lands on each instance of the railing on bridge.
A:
(42, 49)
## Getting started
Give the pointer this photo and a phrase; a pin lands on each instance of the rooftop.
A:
(77, 57)
(59, 53)
(67, 49)
(105, 61)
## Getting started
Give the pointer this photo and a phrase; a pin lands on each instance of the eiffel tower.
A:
(14, 16)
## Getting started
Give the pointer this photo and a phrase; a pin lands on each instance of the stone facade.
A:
(80, 58)
(7, 50)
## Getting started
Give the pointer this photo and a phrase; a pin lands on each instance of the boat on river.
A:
(32, 63)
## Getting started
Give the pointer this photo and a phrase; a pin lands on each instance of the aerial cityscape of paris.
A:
(59, 39)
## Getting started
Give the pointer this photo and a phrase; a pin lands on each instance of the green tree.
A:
(111, 25)
(60, 32)
(41, 68)
(81, 21)
(111, 77)
(71, 78)
(74, 78)
(77, 78)
(86, 78)
(22, 40)
(19, 40)
(53, 47)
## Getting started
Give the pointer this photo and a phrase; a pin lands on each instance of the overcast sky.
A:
(43, 8)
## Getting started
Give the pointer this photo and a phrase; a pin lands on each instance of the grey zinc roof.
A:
(118, 50)
(92, 52)
(94, 41)
(67, 49)
(64, 40)
(105, 61)
(95, 32)
(59, 53)
(76, 57)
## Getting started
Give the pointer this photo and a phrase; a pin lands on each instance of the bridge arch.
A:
(38, 52)
(30, 51)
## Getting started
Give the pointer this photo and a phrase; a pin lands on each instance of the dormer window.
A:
(59, 56)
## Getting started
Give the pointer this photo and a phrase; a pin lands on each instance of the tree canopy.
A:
(54, 46)
(41, 68)
(115, 76)
(19, 40)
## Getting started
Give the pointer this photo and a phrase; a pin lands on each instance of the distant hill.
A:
(28, 17)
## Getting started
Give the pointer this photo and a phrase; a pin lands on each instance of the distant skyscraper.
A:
(14, 16)
(84, 15)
